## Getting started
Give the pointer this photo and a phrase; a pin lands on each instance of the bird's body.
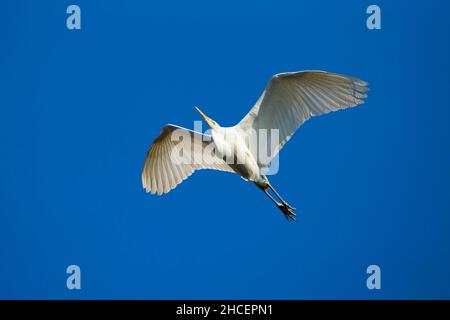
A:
(248, 148)
(229, 141)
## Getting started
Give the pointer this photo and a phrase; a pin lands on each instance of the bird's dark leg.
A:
(281, 199)
(271, 198)
(288, 213)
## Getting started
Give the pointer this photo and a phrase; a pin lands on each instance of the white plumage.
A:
(161, 174)
(287, 102)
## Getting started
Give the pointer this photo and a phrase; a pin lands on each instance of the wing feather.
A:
(294, 97)
(161, 173)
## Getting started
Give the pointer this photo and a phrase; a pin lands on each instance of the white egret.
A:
(286, 103)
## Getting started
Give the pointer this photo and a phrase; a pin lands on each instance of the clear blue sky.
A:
(78, 110)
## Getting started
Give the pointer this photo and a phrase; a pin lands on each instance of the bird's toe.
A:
(287, 212)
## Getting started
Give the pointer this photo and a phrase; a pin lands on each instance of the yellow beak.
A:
(207, 119)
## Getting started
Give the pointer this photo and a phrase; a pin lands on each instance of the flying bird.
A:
(287, 102)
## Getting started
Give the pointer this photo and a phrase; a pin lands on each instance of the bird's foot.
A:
(287, 211)
(288, 205)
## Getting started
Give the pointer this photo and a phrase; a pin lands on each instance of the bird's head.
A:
(212, 124)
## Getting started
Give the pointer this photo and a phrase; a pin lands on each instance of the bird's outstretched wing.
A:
(174, 155)
(292, 98)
